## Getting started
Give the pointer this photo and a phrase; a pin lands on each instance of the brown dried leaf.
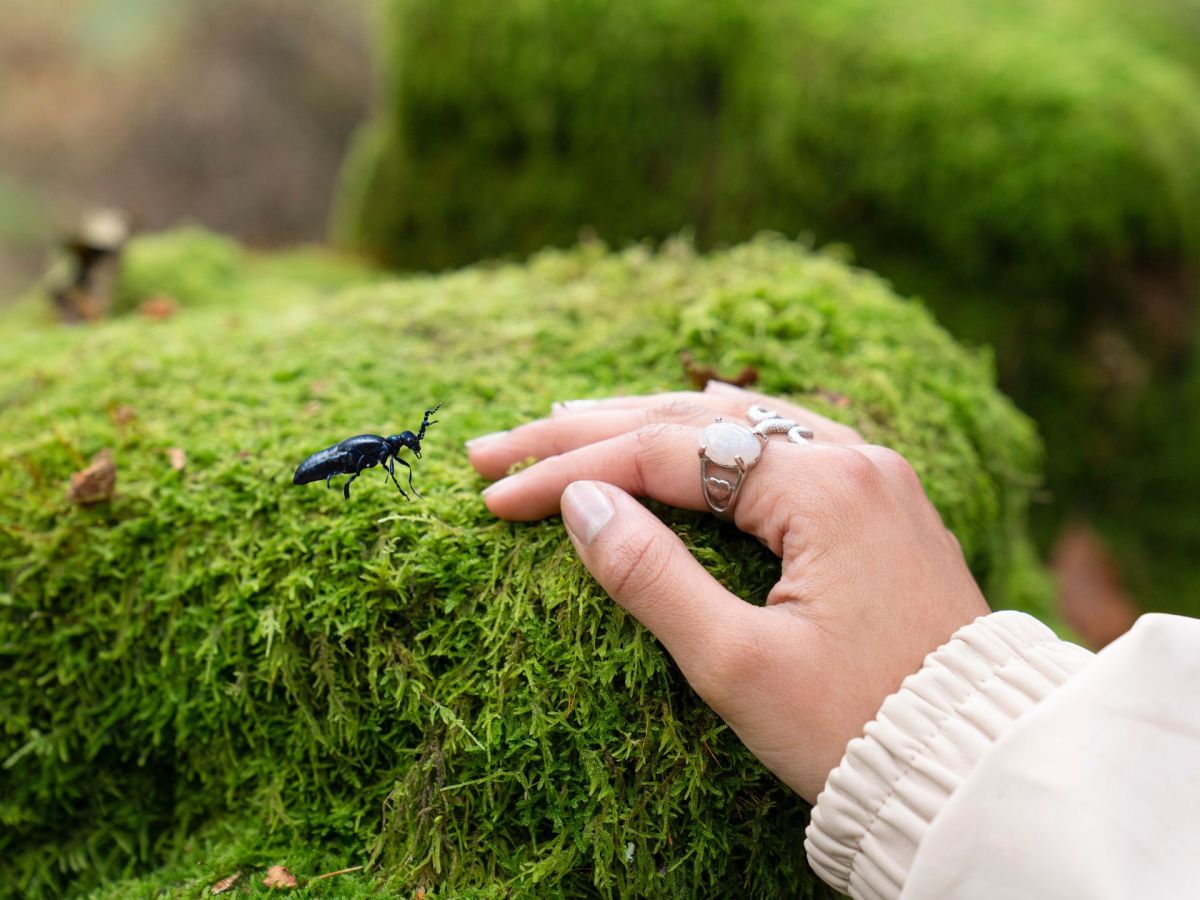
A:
(160, 306)
(279, 877)
(122, 415)
(178, 458)
(699, 376)
(226, 883)
(96, 483)
(1092, 595)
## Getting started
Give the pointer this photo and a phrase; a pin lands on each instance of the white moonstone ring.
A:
(733, 448)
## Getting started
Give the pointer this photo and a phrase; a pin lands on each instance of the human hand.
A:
(871, 580)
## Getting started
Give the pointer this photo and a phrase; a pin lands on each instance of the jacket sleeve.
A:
(1018, 765)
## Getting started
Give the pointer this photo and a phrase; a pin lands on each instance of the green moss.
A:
(189, 265)
(219, 670)
(196, 267)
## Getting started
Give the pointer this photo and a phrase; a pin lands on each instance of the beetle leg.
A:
(346, 486)
(411, 487)
(391, 470)
(329, 478)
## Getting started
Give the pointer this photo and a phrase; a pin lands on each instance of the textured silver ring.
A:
(727, 452)
(767, 421)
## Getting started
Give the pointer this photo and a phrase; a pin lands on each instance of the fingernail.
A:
(560, 406)
(485, 439)
(585, 510)
(495, 484)
(723, 387)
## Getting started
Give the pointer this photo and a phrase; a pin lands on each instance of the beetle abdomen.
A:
(330, 461)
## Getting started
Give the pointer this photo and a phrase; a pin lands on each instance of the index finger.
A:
(662, 462)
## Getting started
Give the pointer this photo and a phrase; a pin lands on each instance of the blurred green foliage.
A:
(1029, 139)
(1030, 167)
(218, 671)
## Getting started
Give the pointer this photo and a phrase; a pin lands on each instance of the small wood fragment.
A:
(226, 883)
(96, 483)
(339, 872)
(177, 458)
(279, 878)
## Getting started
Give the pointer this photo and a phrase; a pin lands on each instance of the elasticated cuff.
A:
(879, 802)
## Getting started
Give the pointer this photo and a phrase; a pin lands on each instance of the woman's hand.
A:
(871, 580)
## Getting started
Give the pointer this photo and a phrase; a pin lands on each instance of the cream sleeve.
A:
(1014, 764)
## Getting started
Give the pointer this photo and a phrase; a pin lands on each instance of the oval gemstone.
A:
(724, 442)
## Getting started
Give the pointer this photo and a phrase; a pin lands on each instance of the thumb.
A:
(646, 568)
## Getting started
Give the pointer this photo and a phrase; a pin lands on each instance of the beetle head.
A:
(405, 439)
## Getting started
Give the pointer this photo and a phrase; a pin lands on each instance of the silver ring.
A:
(767, 421)
(734, 450)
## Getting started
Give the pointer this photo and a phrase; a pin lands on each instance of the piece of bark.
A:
(226, 883)
(85, 291)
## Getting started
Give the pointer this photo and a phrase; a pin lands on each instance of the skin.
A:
(870, 579)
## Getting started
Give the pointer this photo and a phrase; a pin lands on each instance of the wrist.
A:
(924, 741)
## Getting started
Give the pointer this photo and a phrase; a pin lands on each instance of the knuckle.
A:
(854, 471)
(649, 435)
(892, 464)
(676, 410)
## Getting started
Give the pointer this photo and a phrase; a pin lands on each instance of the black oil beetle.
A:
(363, 451)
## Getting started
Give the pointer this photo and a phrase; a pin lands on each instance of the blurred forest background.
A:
(232, 115)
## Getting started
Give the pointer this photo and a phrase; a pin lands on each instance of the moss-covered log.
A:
(217, 670)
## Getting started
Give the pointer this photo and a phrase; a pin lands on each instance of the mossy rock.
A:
(1030, 168)
(216, 670)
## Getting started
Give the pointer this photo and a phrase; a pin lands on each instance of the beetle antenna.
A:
(425, 422)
